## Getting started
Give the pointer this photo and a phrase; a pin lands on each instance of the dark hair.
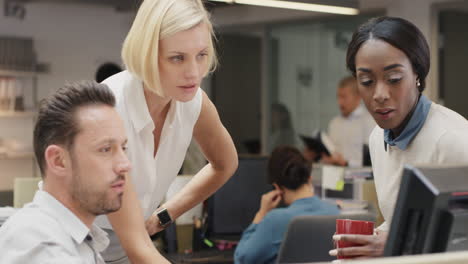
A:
(399, 33)
(288, 168)
(106, 70)
(56, 123)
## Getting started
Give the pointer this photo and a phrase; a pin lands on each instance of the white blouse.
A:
(152, 175)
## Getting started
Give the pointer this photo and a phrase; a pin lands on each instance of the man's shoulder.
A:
(336, 119)
(31, 235)
(29, 223)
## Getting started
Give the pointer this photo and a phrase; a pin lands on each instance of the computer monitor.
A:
(431, 213)
(232, 208)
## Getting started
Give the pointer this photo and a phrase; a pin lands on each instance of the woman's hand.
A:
(152, 224)
(335, 159)
(270, 200)
(371, 245)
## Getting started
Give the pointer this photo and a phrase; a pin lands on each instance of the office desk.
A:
(204, 256)
(460, 257)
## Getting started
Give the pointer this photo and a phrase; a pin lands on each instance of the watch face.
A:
(164, 217)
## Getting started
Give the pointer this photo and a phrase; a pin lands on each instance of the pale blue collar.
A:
(412, 128)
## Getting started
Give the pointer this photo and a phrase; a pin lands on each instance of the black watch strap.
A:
(164, 217)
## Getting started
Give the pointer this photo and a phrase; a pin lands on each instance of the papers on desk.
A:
(333, 177)
(358, 173)
(5, 213)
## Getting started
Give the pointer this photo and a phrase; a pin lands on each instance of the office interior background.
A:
(267, 55)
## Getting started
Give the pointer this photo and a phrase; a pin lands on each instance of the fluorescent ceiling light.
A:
(296, 5)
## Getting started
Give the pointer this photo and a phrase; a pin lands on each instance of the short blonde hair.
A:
(156, 20)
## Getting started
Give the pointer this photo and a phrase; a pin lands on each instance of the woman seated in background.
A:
(289, 173)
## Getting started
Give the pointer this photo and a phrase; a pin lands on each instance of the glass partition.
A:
(306, 62)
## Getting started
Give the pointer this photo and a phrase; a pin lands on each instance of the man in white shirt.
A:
(349, 131)
(79, 143)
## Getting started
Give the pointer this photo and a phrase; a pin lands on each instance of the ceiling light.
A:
(296, 5)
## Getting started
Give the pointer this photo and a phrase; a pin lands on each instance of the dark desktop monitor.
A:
(232, 208)
(431, 213)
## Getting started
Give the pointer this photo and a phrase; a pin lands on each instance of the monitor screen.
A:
(431, 212)
(232, 208)
(346, 193)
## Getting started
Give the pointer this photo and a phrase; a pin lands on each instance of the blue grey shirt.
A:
(260, 242)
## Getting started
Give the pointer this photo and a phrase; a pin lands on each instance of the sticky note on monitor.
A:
(333, 177)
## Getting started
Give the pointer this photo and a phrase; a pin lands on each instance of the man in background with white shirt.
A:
(79, 143)
(349, 131)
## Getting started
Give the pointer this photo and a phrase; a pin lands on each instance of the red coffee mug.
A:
(356, 227)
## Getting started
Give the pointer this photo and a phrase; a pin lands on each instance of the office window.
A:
(307, 60)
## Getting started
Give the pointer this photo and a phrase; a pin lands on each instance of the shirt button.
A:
(89, 238)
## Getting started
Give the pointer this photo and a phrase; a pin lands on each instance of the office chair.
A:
(309, 237)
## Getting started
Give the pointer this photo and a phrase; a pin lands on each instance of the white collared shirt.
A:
(45, 231)
(151, 175)
(350, 133)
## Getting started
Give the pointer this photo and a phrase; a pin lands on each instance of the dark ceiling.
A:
(121, 5)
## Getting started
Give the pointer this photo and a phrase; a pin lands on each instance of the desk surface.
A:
(204, 256)
(460, 257)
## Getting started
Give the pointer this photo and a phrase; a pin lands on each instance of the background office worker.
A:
(282, 128)
(167, 52)
(350, 130)
(289, 172)
(390, 59)
(79, 142)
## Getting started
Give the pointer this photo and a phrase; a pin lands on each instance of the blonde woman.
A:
(167, 52)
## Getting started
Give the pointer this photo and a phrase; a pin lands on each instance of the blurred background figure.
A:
(106, 70)
(282, 129)
(349, 131)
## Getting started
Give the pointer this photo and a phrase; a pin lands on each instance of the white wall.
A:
(74, 40)
(310, 49)
(247, 14)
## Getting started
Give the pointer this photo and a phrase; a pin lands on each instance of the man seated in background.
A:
(289, 172)
(349, 131)
(79, 143)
